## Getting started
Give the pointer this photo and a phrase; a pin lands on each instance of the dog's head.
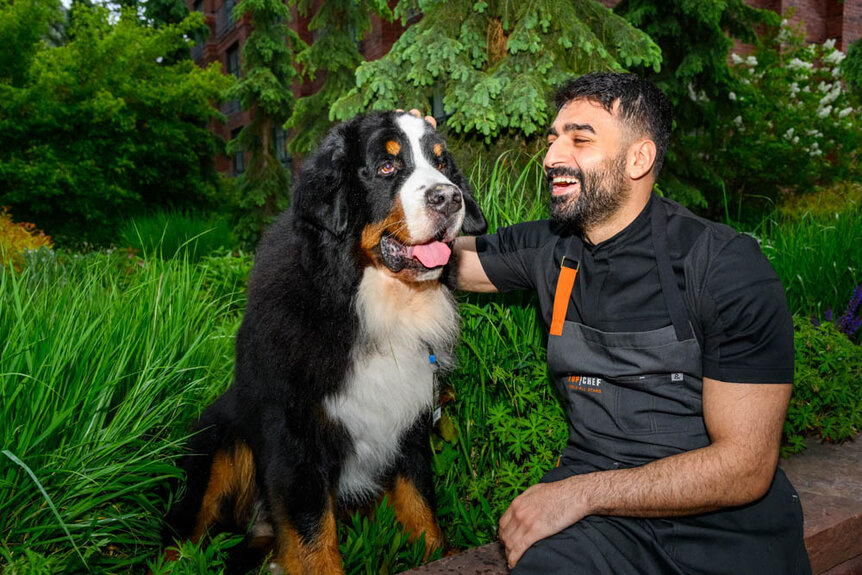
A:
(387, 183)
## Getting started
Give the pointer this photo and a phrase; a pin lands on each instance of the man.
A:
(672, 348)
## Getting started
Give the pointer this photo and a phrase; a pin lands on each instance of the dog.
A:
(350, 315)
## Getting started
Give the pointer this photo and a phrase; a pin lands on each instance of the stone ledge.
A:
(829, 481)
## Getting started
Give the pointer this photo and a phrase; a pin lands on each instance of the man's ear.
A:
(321, 193)
(641, 158)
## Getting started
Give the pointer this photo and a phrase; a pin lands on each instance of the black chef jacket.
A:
(733, 296)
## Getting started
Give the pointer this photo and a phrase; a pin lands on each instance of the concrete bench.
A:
(829, 481)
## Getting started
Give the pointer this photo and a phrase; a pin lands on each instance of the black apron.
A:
(634, 397)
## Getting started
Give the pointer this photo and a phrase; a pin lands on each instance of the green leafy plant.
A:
(376, 543)
(827, 399)
(100, 374)
(695, 40)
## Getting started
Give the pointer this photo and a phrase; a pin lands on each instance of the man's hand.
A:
(744, 422)
(539, 512)
(418, 114)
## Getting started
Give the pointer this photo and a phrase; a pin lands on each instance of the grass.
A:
(818, 258)
(101, 370)
(176, 234)
(106, 358)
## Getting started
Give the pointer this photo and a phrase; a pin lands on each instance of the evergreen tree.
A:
(695, 40)
(268, 72)
(496, 63)
(338, 27)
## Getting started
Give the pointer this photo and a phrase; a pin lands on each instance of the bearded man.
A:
(671, 346)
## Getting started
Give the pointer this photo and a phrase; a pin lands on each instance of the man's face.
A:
(585, 165)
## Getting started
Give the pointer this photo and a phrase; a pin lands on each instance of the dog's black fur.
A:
(271, 451)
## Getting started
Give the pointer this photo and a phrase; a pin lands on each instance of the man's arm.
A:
(744, 422)
(471, 275)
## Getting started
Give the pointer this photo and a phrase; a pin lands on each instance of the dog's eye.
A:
(440, 165)
(386, 168)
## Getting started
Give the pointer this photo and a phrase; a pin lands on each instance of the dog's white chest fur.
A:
(391, 380)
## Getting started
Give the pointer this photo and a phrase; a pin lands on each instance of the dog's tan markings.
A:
(393, 148)
(412, 511)
(438, 150)
(231, 474)
(394, 224)
(319, 556)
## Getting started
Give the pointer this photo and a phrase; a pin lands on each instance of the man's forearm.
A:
(693, 482)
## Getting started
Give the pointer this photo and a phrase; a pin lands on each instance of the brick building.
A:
(823, 19)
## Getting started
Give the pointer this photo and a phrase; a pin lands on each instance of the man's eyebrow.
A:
(572, 127)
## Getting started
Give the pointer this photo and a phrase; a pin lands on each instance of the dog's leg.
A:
(231, 476)
(414, 511)
(411, 490)
(308, 546)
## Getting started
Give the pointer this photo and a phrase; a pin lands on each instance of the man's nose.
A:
(555, 155)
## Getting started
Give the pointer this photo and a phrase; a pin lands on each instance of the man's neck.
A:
(620, 220)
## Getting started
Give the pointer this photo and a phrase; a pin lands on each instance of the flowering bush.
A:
(18, 237)
(789, 124)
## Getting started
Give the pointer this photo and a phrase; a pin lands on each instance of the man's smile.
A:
(563, 185)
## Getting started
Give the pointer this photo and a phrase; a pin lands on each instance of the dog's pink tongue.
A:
(432, 255)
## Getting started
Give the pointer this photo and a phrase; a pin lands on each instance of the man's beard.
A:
(602, 192)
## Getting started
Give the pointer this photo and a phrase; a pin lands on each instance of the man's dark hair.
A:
(644, 108)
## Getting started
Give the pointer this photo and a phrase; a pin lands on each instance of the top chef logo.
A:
(584, 384)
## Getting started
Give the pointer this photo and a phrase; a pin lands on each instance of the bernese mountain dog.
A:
(350, 315)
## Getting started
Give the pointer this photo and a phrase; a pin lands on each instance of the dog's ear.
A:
(474, 220)
(321, 195)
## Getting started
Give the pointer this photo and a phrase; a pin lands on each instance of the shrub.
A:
(18, 237)
(788, 126)
(105, 125)
(827, 399)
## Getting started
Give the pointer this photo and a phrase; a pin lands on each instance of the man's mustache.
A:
(552, 173)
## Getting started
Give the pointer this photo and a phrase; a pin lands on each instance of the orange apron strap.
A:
(563, 294)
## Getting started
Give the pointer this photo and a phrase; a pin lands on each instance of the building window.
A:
(224, 17)
(238, 156)
(233, 60)
(279, 140)
(200, 39)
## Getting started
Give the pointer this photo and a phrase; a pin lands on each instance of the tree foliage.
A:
(23, 27)
(495, 63)
(99, 128)
(268, 72)
(338, 27)
(695, 39)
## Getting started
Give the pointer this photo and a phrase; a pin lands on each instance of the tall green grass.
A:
(176, 234)
(818, 258)
(101, 369)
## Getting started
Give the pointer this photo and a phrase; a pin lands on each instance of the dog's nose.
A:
(444, 198)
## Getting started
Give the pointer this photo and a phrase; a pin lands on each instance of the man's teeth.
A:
(565, 180)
